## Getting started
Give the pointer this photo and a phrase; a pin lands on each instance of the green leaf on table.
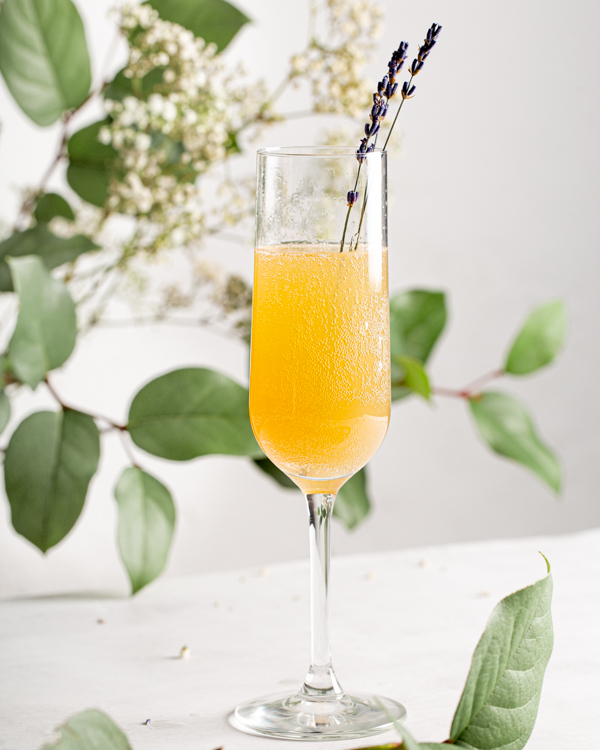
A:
(214, 21)
(499, 704)
(39, 240)
(44, 57)
(540, 339)
(415, 378)
(49, 462)
(268, 467)
(91, 164)
(505, 425)
(46, 329)
(417, 318)
(51, 205)
(192, 412)
(146, 524)
(4, 410)
(89, 730)
(352, 503)
(121, 86)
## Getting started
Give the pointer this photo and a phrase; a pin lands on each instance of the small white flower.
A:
(104, 136)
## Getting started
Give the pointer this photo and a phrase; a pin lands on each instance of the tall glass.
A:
(320, 384)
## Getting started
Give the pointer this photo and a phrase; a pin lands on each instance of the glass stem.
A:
(320, 681)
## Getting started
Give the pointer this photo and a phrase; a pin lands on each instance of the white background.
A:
(494, 199)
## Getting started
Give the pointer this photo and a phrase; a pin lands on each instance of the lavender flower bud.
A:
(407, 92)
(352, 197)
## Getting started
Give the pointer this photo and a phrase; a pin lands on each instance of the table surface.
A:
(405, 625)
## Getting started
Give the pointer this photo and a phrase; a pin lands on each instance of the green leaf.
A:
(352, 503)
(46, 328)
(4, 410)
(51, 205)
(89, 730)
(499, 704)
(192, 412)
(53, 250)
(415, 376)
(505, 425)
(50, 460)
(266, 465)
(44, 57)
(540, 339)
(91, 164)
(214, 21)
(417, 318)
(146, 524)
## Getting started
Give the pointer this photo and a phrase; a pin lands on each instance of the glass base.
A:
(298, 717)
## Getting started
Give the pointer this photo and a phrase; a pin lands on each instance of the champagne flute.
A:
(320, 384)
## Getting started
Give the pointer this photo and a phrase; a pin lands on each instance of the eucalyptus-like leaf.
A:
(505, 425)
(39, 240)
(192, 412)
(49, 206)
(90, 164)
(49, 462)
(352, 503)
(268, 467)
(46, 329)
(4, 410)
(89, 730)
(540, 339)
(146, 524)
(44, 57)
(215, 21)
(415, 376)
(499, 704)
(417, 318)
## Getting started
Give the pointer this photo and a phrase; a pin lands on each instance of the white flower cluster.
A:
(180, 118)
(335, 67)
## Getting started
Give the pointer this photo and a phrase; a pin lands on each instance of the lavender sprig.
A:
(386, 89)
(408, 88)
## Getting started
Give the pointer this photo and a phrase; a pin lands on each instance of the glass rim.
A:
(315, 151)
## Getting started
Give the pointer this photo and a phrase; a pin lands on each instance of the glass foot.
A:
(298, 717)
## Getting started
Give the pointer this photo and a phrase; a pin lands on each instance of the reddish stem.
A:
(472, 389)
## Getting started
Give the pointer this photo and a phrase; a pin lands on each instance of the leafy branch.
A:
(52, 456)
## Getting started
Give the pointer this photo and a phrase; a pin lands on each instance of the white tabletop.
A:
(405, 625)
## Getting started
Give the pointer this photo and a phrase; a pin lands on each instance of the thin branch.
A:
(65, 407)
(471, 390)
(478, 383)
(128, 451)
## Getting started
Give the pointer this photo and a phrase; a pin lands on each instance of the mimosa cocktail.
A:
(320, 368)
(320, 385)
